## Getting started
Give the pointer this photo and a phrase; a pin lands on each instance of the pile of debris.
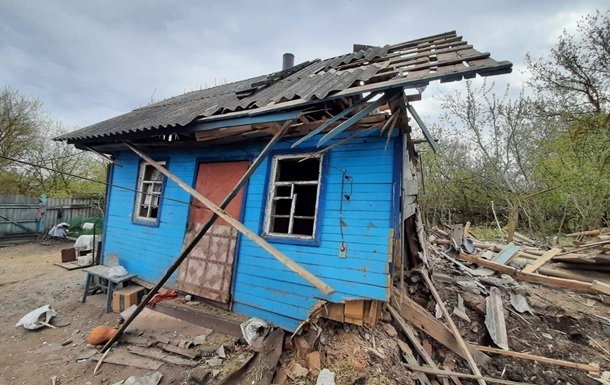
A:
(471, 315)
(475, 319)
(585, 266)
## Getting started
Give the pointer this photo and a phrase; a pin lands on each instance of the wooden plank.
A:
(448, 373)
(529, 277)
(188, 353)
(490, 264)
(454, 329)
(423, 128)
(423, 320)
(410, 333)
(122, 357)
(561, 282)
(373, 313)
(601, 287)
(506, 254)
(336, 118)
(354, 119)
(335, 312)
(541, 260)
(574, 365)
(584, 233)
(567, 274)
(306, 275)
(70, 265)
(354, 312)
(410, 358)
(354, 309)
(157, 354)
(226, 131)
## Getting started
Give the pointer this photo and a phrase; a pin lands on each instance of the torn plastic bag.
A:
(31, 320)
(254, 331)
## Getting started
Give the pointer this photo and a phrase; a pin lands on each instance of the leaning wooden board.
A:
(422, 319)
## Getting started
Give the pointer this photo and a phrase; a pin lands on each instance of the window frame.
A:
(136, 218)
(270, 186)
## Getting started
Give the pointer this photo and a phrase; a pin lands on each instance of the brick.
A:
(302, 346)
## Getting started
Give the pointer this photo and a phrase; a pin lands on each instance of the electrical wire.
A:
(98, 181)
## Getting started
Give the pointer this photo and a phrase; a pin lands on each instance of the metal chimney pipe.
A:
(288, 61)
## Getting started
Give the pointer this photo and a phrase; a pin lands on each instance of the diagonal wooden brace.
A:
(292, 265)
(187, 250)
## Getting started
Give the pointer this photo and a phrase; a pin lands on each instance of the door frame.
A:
(223, 159)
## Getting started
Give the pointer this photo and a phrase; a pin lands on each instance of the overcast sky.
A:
(92, 60)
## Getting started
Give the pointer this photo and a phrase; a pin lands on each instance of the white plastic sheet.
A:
(254, 331)
(31, 320)
(117, 271)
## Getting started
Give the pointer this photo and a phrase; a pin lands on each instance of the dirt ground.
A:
(564, 325)
(28, 280)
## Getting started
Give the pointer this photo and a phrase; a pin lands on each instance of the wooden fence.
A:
(18, 213)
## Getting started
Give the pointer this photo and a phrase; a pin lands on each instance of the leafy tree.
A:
(573, 82)
(18, 123)
(573, 95)
(544, 159)
(501, 138)
(26, 134)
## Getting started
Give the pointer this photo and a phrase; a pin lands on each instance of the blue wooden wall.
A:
(263, 287)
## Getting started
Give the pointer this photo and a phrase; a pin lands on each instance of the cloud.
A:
(90, 61)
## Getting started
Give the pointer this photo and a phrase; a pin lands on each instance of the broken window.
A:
(148, 199)
(294, 192)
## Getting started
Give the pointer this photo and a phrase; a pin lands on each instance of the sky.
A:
(93, 60)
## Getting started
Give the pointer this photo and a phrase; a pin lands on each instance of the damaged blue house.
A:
(326, 208)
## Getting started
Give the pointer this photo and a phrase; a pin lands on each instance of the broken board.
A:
(70, 265)
(121, 357)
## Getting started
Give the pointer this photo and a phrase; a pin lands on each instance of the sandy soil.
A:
(565, 325)
(28, 280)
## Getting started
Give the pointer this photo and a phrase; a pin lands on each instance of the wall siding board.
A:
(344, 289)
(263, 287)
(354, 261)
(274, 318)
(359, 276)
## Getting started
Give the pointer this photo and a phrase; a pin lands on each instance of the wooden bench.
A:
(105, 283)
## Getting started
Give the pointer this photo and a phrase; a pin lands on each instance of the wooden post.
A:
(187, 250)
(513, 219)
(292, 265)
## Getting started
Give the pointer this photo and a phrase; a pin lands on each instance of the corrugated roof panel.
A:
(408, 64)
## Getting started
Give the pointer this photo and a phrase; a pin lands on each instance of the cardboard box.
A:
(124, 298)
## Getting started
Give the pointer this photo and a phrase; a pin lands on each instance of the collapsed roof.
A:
(412, 64)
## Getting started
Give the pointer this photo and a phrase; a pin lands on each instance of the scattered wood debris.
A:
(483, 299)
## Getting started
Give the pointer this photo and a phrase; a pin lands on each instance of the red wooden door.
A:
(208, 270)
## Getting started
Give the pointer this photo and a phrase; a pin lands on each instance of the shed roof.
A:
(445, 57)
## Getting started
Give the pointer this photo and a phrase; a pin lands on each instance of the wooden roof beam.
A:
(361, 114)
(336, 118)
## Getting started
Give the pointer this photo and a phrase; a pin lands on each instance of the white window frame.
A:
(146, 196)
(271, 197)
